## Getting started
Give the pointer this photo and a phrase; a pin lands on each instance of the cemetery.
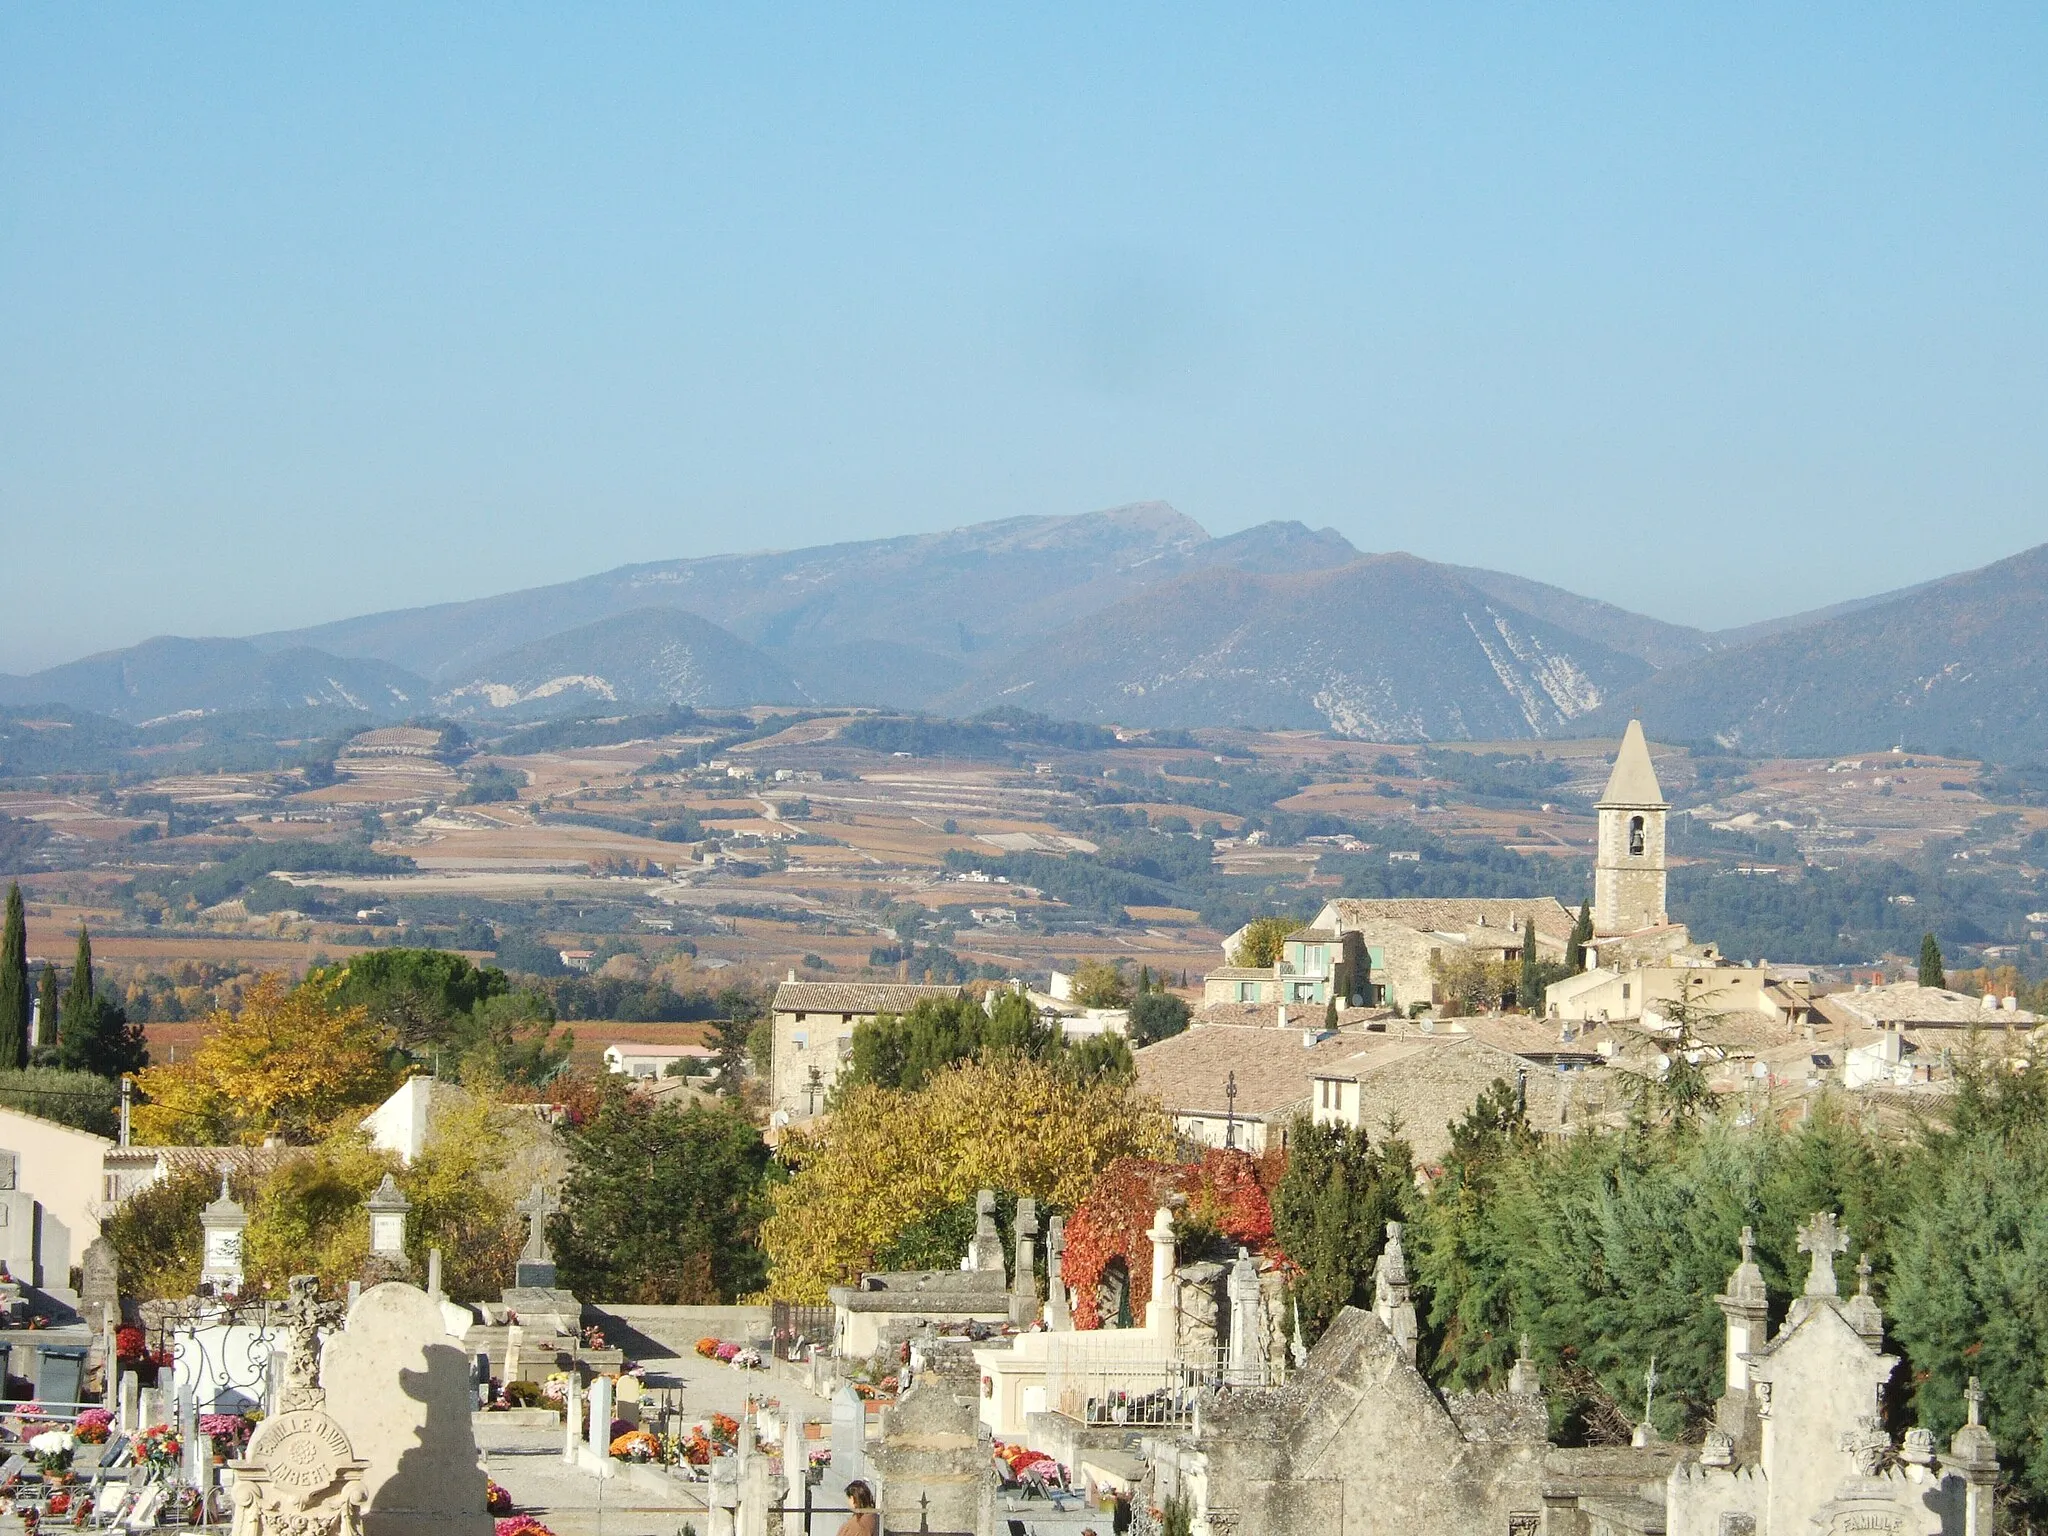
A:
(996, 1286)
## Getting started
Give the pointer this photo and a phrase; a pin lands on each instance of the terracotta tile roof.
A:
(1267, 1015)
(853, 996)
(1907, 1003)
(1458, 915)
(1188, 1073)
(1312, 936)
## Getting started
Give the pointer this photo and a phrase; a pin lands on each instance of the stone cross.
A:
(1822, 1237)
(537, 1208)
(304, 1315)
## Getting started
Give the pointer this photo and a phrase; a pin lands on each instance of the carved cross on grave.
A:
(1822, 1237)
(537, 1208)
(304, 1314)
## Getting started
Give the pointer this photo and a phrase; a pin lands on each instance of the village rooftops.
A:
(1188, 1073)
(854, 997)
(1452, 914)
(1907, 1005)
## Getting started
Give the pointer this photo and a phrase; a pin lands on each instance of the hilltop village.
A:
(1295, 1241)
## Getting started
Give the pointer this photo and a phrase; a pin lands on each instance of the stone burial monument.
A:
(372, 1433)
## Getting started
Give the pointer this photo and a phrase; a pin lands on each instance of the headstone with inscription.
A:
(399, 1386)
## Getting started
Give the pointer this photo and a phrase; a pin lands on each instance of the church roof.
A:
(1634, 780)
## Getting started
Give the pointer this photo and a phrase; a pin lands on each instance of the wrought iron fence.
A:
(798, 1326)
(1113, 1384)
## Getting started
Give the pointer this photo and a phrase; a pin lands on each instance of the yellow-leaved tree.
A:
(889, 1159)
(1262, 938)
(287, 1063)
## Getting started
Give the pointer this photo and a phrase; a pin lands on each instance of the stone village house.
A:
(814, 1025)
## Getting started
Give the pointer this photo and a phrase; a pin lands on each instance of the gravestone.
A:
(1024, 1284)
(100, 1284)
(399, 1387)
(849, 1437)
(60, 1373)
(986, 1251)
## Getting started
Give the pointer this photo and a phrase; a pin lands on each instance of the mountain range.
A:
(1136, 615)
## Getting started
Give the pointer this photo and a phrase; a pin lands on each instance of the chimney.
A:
(1308, 1039)
(792, 973)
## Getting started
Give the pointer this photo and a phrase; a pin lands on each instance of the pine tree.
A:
(1530, 1000)
(81, 1003)
(14, 1000)
(48, 1009)
(1932, 974)
(1582, 932)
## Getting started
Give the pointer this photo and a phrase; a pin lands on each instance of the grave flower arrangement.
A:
(52, 1450)
(636, 1445)
(593, 1337)
(228, 1432)
(522, 1525)
(159, 1448)
(708, 1348)
(725, 1429)
(93, 1426)
(497, 1500)
(694, 1448)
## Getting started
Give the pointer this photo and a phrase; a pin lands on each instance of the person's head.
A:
(859, 1495)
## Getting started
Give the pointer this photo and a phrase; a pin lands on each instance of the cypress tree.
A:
(1582, 931)
(48, 1009)
(1530, 1000)
(1144, 979)
(14, 999)
(1330, 1015)
(81, 1003)
(1932, 972)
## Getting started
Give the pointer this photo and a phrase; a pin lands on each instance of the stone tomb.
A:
(399, 1388)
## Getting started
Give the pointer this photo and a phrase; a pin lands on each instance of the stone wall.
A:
(645, 1331)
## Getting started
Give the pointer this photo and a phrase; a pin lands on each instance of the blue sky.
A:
(1717, 311)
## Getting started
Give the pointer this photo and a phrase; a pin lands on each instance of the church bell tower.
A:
(1628, 871)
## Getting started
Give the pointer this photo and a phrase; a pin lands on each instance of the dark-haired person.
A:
(862, 1521)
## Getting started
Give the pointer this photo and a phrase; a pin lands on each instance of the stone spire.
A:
(1862, 1310)
(1243, 1288)
(1629, 879)
(1392, 1297)
(1974, 1453)
(1746, 1304)
(986, 1251)
(1523, 1379)
(1024, 1284)
(1057, 1315)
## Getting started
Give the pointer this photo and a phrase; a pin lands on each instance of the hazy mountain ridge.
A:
(171, 676)
(648, 658)
(1960, 663)
(1136, 614)
(1386, 647)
